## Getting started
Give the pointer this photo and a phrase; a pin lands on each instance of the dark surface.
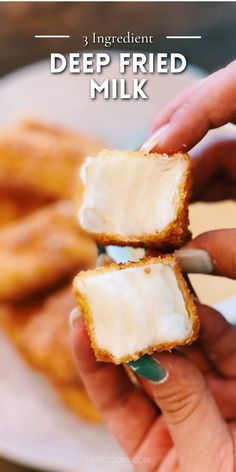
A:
(19, 22)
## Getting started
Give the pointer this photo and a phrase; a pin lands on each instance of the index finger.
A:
(209, 105)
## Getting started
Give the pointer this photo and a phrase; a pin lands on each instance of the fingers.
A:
(192, 417)
(127, 411)
(224, 392)
(220, 246)
(155, 445)
(214, 171)
(215, 350)
(210, 105)
(165, 114)
(196, 356)
(218, 340)
(215, 356)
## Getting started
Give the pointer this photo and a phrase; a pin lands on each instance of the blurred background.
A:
(20, 21)
(215, 21)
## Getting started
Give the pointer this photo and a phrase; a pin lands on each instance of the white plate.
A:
(35, 428)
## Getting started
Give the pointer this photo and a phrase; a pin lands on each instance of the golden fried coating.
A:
(41, 251)
(136, 308)
(129, 198)
(40, 331)
(37, 159)
(13, 208)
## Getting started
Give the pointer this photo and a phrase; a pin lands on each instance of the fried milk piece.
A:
(42, 160)
(136, 308)
(135, 199)
(40, 331)
(42, 251)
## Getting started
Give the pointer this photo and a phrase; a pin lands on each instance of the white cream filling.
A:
(135, 308)
(129, 196)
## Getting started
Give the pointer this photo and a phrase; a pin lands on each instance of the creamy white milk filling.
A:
(130, 195)
(135, 308)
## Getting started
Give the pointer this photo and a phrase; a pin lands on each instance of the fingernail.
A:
(74, 314)
(149, 368)
(195, 261)
(155, 138)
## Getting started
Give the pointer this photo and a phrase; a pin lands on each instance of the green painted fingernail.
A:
(149, 368)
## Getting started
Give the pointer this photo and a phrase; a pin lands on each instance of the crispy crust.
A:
(42, 251)
(40, 332)
(15, 207)
(40, 160)
(105, 356)
(175, 235)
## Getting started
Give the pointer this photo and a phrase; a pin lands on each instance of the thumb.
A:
(221, 248)
(192, 417)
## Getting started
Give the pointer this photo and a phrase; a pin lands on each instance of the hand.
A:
(210, 103)
(186, 420)
(195, 391)
(196, 430)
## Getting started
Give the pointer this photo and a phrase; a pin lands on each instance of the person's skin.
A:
(186, 419)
